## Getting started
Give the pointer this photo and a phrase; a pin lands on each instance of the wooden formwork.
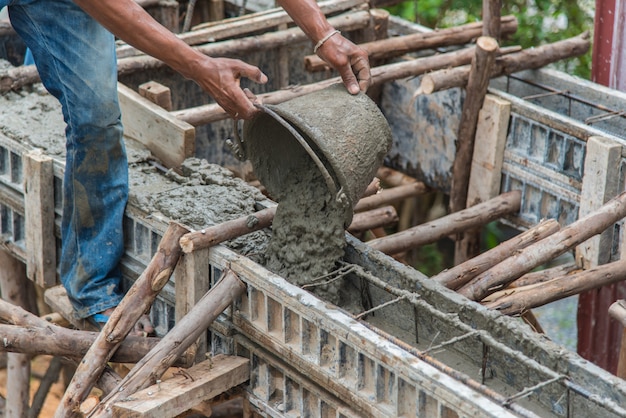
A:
(450, 357)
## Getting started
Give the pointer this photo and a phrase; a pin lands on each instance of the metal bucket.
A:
(345, 135)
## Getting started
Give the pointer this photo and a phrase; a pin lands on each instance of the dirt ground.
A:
(39, 365)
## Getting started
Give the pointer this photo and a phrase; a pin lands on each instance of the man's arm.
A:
(347, 58)
(220, 77)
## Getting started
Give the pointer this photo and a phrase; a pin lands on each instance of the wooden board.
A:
(491, 132)
(39, 218)
(178, 394)
(600, 184)
(167, 137)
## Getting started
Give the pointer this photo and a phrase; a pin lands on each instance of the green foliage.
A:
(539, 22)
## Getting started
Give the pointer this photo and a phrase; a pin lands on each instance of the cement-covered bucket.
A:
(345, 135)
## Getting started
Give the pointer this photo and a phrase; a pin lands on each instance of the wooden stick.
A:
(391, 195)
(225, 231)
(373, 188)
(137, 300)
(522, 299)
(49, 378)
(617, 311)
(544, 275)
(526, 59)
(459, 275)
(176, 341)
(467, 245)
(546, 249)
(400, 45)
(374, 218)
(433, 231)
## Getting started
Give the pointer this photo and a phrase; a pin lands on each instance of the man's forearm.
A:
(131, 23)
(308, 16)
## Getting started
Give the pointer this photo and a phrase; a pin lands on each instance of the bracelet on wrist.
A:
(319, 44)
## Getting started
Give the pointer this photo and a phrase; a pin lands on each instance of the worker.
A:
(75, 57)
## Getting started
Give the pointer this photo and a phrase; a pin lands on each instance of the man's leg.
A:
(75, 57)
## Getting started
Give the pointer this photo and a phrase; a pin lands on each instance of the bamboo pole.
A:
(400, 45)
(137, 300)
(546, 249)
(521, 299)
(467, 244)
(176, 341)
(526, 59)
(462, 273)
(433, 231)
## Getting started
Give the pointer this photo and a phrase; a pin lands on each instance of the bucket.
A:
(345, 135)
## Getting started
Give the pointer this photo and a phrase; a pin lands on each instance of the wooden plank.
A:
(191, 278)
(491, 132)
(600, 184)
(39, 218)
(174, 396)
(167, 137)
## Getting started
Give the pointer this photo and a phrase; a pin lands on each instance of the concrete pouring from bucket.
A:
(315, 155)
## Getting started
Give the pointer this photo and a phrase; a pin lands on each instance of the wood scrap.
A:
(400, 45)
(526, 59)
(545, 250)
(137, 300)
(176, 341)
(515, 301)
(459, 275)
(433, 231)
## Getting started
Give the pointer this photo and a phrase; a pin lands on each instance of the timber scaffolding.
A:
(544, 149)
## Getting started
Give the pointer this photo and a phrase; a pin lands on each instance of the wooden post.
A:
(192, 279)
(491, 16)
(13, 288)
(39, 214)
(184, 333)
(478, 82)
(137, 300)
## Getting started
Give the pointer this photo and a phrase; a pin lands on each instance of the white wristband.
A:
(324, 39)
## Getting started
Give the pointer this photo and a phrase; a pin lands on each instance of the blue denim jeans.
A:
(75, 57)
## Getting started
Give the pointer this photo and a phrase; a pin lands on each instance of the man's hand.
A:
(350, 60)
(220, 77)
